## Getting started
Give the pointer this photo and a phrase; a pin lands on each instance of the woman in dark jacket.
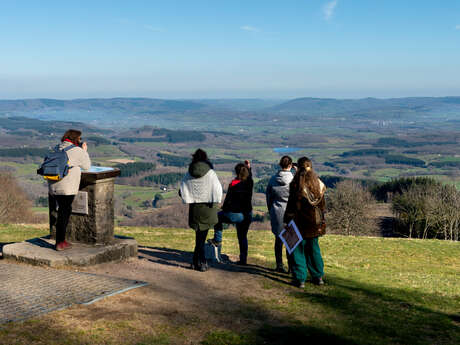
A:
(237, 209)
(306, 192)
(202, 190)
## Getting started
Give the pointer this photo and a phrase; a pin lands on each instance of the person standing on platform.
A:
(201, 189)
(277, 195)
(63, 191)
(306, 206)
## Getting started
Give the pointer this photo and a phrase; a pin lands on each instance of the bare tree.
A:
(428, 211)
(410, 208)
(14, 205)
(351, 208)
(448, 213)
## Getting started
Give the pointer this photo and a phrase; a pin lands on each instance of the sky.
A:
(229, 49)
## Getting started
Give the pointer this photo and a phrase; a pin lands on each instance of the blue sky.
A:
(225, 49)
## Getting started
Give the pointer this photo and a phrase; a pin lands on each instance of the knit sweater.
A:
(204, 189)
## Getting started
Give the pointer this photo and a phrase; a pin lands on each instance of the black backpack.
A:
(55, 165)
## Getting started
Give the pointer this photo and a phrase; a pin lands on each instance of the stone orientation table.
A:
(90, 228)
(92, 219)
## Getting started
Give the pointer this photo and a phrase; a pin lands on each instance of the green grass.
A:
(19, 232)
(386, 174)
(378, 291)
(23, 169)
(40, 209)
(134, 196)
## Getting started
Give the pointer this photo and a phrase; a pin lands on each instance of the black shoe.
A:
(241, 263)
(318, 281)
(198, 267)
(280, 269)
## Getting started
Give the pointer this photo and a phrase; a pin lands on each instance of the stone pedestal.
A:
(90, 229)
(97, 226)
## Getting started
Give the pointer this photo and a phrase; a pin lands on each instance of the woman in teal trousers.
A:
(305, 206)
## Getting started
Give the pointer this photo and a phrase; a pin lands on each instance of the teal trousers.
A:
(307, 258)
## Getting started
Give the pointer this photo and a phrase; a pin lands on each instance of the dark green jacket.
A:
(201, 216)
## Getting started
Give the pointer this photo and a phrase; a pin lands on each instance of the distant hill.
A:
(133, 105)
(20, 125)
(214, 114)
(331, 106)
(241, 104)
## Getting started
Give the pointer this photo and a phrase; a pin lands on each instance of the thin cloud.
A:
(249, 28)
(457, 27)
(329, 9)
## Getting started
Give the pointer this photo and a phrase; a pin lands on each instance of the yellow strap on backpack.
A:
(52, 178)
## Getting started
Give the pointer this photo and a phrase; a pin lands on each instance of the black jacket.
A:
(239, 196)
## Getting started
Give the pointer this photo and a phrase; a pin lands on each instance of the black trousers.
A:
(242, 229)
(279, 253)
(65, 209)
(199, 258)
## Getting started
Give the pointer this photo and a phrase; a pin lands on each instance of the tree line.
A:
(167, 135)
(24, 152)
(390, 158)
(136, 168)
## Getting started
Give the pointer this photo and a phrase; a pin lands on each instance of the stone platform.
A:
(40, 251)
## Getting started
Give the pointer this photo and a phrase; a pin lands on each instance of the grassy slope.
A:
(379, 291)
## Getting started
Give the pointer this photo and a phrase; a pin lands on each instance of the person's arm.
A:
(218, 186)
(85, 161)
(249, 180)
(268, 195)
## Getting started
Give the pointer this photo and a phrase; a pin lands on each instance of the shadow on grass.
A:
(180, 258)
(277, 335)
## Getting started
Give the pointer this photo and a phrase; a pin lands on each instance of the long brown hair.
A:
(305, 177)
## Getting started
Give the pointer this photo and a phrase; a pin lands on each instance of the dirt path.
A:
(178, 296)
